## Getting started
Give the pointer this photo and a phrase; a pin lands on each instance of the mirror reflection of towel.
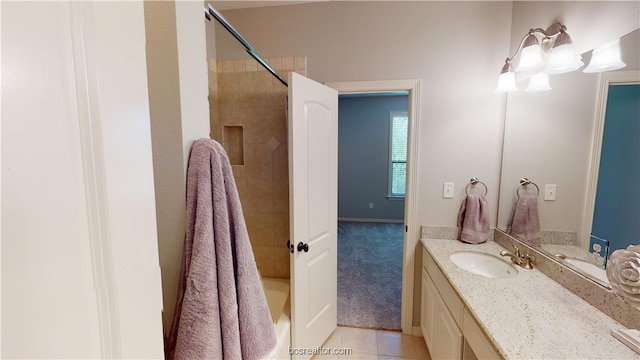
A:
(473, 219)
(525, 221)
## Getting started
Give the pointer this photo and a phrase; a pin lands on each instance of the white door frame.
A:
(95, 255)
(411, 235)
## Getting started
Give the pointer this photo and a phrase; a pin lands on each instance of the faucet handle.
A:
(528, 260)
(516, 249)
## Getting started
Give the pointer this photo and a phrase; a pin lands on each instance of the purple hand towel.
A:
(221, 311)
(473, 219)
(525, 222)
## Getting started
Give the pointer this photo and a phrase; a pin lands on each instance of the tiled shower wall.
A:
(248, 117)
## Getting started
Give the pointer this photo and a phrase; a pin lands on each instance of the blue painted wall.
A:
(617, 211)
(363, 157)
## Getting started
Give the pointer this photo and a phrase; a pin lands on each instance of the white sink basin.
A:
(484, 264)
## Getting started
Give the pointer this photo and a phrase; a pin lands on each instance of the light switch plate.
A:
(550, 192)
(447, 190)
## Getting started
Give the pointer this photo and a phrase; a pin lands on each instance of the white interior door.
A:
(313, 184)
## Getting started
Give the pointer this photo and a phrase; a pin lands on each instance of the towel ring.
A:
(474, 181)
(524, 182)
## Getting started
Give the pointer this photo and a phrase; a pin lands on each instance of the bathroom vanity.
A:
(447, 325)
(525, 315)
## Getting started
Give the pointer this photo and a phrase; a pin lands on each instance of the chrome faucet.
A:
(523, 260)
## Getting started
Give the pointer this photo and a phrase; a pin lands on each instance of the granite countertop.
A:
(529, 316)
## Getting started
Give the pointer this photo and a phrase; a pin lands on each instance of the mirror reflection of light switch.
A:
(447, 191)
(550, 192)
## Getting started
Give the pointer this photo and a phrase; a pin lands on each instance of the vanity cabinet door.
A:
(440, 330)
(428, 309)
(447, 338)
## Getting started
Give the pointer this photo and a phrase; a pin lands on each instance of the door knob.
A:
(290, 246)
(303, 247)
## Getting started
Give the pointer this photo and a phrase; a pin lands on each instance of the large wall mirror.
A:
(555, 140)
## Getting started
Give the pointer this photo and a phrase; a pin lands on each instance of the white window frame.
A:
(390, 194)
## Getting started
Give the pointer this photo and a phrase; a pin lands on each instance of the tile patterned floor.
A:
(369, 344)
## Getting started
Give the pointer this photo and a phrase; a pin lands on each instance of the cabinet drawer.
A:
(448, 294)
(478, 341)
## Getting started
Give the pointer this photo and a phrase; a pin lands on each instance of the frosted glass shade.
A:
(531, 58)
(563, 59)
(606, 58)
(506, 82)
(539, 82)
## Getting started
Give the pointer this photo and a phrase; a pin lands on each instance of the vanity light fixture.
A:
(553, 53)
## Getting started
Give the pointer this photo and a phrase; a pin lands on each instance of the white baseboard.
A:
(395, 221)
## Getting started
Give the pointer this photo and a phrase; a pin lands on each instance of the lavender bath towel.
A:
(525, 222)
(473, 219)
(221, 311)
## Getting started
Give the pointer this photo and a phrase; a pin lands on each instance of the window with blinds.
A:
(399, 122)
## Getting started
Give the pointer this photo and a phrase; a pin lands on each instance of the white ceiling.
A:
(222, 5)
